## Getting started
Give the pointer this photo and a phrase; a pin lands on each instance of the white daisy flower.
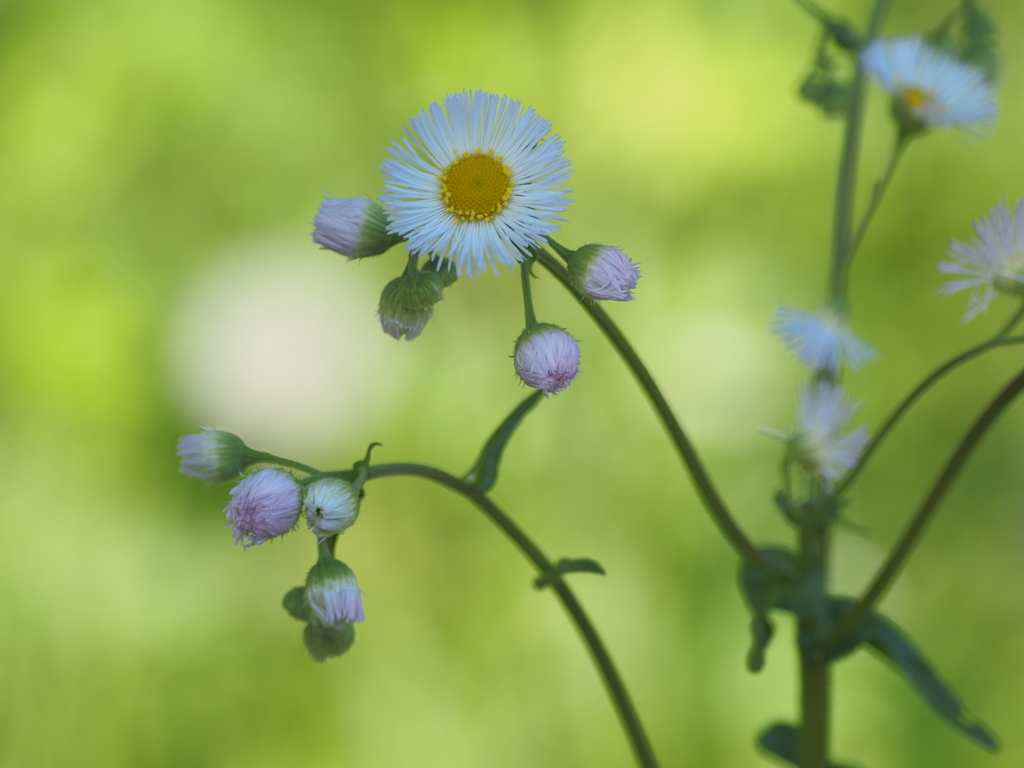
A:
(816, 444)
(821, 340)
(934, 89)
(476, 181)
(994, 261)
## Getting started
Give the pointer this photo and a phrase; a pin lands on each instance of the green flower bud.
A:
(324, 642)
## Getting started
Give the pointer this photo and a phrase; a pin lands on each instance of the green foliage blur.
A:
(161, 163)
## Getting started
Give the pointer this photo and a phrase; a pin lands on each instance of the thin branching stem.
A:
(920, 520)
(702, 481)
(602, 659)
(909, 400)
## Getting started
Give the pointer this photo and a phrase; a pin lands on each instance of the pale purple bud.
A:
(263, 506)
(333, 593)
(602, 272)
(331, 506)
(547, 358)
(212, 455)
(353, 226)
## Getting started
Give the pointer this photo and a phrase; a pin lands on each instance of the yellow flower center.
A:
(915, 98)
(476, 186)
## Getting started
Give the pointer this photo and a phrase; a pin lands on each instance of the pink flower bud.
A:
(547, 358)
(352, 226)
(263, 506)
(604, 273)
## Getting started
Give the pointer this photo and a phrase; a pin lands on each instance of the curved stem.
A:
(902, 408)
(931, 502)
(531, 317)
(876, 197)
(705, 489)
(263, 457)
(609, 674)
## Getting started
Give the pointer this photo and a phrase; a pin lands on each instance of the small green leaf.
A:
(783, 741)
(485, 472)
(979, 45)
(761, 630)
(969, 34)
(566, 565)
(763, 592)
(889, 640)
(824, 86)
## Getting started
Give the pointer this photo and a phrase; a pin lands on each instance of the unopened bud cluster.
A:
(266, 504)
(407, 302)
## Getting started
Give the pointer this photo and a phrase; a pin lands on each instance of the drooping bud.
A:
(333, 593)
(331, 506)
(263, 506)
(212, 455)
(547, 358)
(324, 642)
(406, 303)
(602, 272)
(353, 226)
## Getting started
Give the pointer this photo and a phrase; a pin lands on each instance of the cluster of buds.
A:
(268, 503)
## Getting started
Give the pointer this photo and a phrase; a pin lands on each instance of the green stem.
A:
(262, 457)
(998, 341)
(524, 271)
(876, 197)
(846, 184)
(924, 513)
(609, 674)
(705, 488)
(815, 671)
(815, 666)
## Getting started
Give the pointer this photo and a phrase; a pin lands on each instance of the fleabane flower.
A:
(263, 506)
(817, 443)
(930, 88)
(353, 226)
(821, 340)
(331, 505)
(333, 593)
(992, 262)
(213, 455)
(602, 272)
(547, 358)
(478, 180)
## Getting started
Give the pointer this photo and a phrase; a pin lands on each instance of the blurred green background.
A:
(161, 164)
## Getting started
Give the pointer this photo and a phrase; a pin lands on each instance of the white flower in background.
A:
(931, 87)
(993, 261)
(547, 358)
(263, 506)
(476, 180)
(604, 273)
(817, 444)
(352, 226)
(821, 340)
(331, 506)
(333, 593)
